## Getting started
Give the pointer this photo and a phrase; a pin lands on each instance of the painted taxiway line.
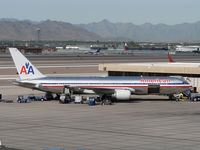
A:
(55, 66)
(7, 78)
(8, 86)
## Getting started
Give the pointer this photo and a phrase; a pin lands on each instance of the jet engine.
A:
(122, 94)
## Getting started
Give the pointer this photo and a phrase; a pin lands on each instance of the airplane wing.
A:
(93, 90)
(105, 90)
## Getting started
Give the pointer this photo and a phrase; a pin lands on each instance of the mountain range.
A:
(13, 29)
(186, 32)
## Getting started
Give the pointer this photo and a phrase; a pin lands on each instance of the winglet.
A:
(24, 67)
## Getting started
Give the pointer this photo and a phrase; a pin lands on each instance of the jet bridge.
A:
(190, 71)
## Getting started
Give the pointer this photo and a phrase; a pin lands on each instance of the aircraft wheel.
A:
(106, 102)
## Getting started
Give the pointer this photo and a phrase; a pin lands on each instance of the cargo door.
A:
(153, 89)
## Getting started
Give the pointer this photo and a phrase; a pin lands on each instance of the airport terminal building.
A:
(191, 71)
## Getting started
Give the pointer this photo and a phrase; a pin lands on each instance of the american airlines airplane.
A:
(120, 88)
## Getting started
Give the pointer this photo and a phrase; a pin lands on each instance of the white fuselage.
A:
(137, 85)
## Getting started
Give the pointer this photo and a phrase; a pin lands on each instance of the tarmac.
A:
(146, 123)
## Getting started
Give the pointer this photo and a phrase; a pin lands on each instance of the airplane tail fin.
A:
(24, 67)
(125, 46)
(169, 56)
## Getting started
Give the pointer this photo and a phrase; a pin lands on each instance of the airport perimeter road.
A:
(146, 125)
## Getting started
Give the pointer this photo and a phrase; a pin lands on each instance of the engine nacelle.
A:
(122, 94)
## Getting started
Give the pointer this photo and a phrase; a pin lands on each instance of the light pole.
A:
(38, 34)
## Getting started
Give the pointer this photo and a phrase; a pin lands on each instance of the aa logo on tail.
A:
(27, 69)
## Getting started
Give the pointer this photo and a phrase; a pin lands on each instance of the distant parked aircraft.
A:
(72, 47)
(191, 48)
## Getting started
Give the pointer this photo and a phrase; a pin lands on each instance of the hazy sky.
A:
(85, 11)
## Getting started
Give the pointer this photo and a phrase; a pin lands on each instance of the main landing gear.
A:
(105, 100)
(65, 98)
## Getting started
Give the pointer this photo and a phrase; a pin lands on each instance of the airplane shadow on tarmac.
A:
(140, 100)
